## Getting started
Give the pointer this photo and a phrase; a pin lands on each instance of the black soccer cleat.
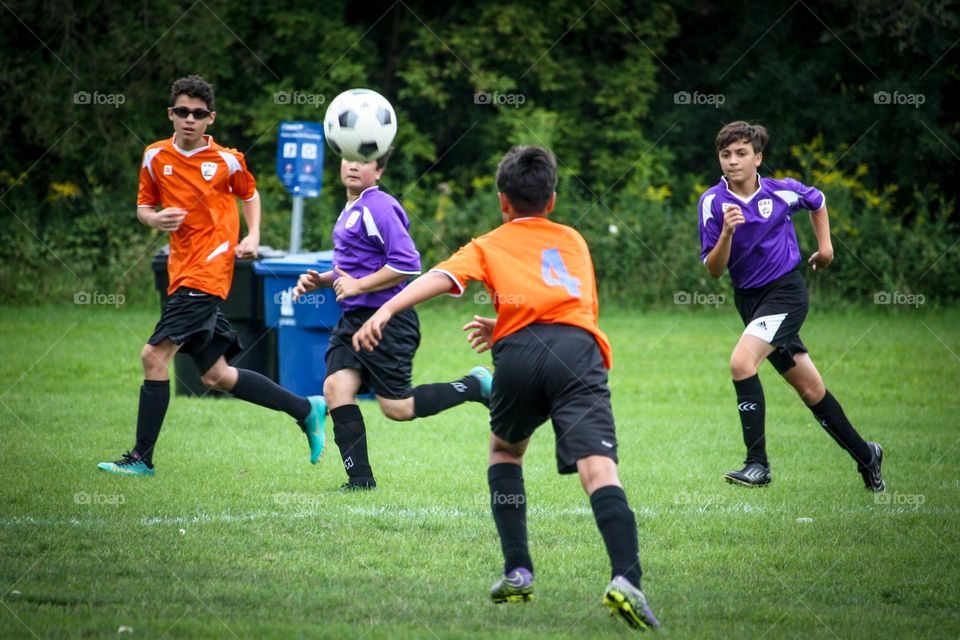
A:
(872, 479)
(753, 474)
(359, 484)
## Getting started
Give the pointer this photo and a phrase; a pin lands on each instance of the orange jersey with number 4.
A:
(206, 182)
(535, 270)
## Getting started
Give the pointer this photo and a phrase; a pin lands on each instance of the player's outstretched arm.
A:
(312, 280)
(823, 256)
(346, 286)
(429, 285)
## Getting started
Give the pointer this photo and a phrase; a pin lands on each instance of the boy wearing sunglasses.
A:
(188, 188)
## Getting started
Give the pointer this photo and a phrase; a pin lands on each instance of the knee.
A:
(211, 378)
(398, 410)
(336, 394)
(153, 361)
(741, 367)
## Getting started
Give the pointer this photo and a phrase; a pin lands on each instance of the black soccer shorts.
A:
(388, 369)
(774, 313)
(193, 320)
(553, 371)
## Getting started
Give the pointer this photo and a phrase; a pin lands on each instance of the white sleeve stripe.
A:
(706, 213)
(148, 157)
(455, 281)
(414, 273)
(232, 163)
(370, 225)
(254, 197)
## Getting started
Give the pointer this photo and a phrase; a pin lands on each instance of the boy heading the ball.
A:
(197, 182)
(746, 229)
(551, 361)
(373, 256)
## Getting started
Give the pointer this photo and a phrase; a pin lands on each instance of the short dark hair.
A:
(385, 158)
(193, 86)
(527, 175)
(741, 131)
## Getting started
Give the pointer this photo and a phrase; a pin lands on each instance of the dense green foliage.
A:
(601, 84)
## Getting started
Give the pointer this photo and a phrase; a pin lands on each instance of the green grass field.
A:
(239, 536)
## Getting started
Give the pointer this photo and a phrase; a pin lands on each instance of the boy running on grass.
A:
(373, 256)
(551, 361)
(197, 181)
(746, 228)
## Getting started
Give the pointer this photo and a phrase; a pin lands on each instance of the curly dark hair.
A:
(193, 86)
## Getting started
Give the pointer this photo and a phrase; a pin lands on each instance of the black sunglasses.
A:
(183, 112)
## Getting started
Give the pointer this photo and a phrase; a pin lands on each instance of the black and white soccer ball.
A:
(360, 125)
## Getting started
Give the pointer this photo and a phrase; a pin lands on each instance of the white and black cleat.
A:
(753, 474)
(872, 479)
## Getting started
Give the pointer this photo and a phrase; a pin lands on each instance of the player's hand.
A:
(369, 335)
(732, 218)
(481, 338)
(346, 286)
(309, 281)
(821, 259)
(248, 247)
(168, 219)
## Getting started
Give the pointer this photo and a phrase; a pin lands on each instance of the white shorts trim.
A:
(765, 327)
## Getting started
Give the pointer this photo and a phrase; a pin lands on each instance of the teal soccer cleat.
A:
(314, 428)
(483, 375)
(131, 464)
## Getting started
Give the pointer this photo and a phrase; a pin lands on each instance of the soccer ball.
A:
(360, 125)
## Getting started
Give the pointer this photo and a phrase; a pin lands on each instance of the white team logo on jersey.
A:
(168, 169)
(766, 207)
(354, 216)
(726, 205)
(207, 169)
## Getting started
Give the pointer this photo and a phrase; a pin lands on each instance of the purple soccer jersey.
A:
(765, 246)
(371, 233)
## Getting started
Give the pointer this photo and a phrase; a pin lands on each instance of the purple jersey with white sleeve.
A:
(371, 233)
(765, 246)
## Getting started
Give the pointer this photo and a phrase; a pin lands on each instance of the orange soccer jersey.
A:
(206, 182)
(536, 271)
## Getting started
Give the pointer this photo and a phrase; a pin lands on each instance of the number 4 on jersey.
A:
(555, 272)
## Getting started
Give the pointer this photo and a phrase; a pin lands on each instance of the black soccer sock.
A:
(431, 399)
(618, 526)
(259, 389)
(831, 417)
(508, 502)
(752, 409)
(154, 400)
(350, 434)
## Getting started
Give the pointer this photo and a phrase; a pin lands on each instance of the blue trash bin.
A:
(303, 325)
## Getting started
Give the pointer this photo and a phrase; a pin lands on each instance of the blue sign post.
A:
(300, 168)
